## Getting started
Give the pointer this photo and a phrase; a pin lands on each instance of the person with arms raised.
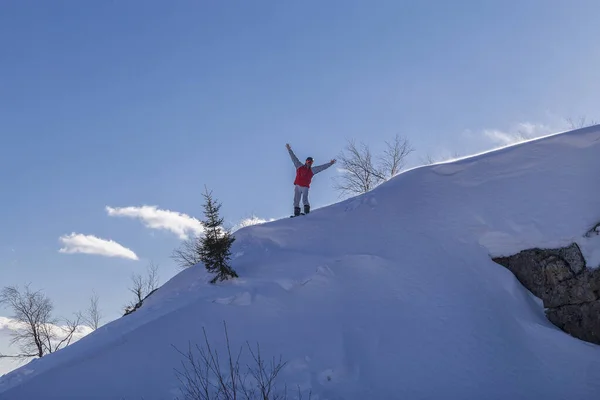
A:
(304, 175)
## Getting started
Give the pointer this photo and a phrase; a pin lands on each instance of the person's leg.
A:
(305, 200)
(297, 195)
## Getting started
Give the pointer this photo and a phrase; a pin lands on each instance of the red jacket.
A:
(304, 176)
(305, 173)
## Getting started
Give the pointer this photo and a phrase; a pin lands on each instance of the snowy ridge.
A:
(388, 295)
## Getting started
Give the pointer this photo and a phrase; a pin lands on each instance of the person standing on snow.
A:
(304, 174)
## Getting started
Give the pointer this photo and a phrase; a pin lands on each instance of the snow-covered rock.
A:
(570, 291)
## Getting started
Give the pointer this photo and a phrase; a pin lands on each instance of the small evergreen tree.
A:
(216, 242)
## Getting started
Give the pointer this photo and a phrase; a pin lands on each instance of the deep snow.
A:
(388, 295)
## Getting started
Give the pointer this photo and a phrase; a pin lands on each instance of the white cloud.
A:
(90, 244)
(11, 324)
(518, 133)
(180, 224)
(500, 137)
(483, 140)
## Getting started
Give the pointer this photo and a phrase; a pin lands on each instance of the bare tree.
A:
(361, 174)
(39, 332)
(188, 254)
(580, 122)
(207, 377)
(152, 279)
(142, 286)
(92, 315)
(393, 159)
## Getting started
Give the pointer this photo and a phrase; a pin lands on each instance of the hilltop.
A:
(389, 295)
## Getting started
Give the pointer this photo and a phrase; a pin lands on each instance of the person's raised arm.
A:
(323, 167)
(295, 160)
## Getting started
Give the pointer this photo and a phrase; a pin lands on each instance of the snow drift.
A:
(388, 295)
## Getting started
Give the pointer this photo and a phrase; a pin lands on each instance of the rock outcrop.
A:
(560, 278)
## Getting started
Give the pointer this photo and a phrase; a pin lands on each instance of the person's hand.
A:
(288, 146)
(333, 161)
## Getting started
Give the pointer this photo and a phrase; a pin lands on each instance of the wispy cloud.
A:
(11, 324)
(90, 244)
(152, 217)
(475, 141)
(517, 133)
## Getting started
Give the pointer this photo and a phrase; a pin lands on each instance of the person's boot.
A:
(296, 211)
(306, 209)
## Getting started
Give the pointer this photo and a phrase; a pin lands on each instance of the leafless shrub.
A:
(580, 122)
(92, 316)
(204, 378)
(393, 159)
(39, 333)
(188, 254)
(142, 287)
(361, 174)
(429, 159)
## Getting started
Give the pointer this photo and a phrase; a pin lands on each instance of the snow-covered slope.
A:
(389, 295)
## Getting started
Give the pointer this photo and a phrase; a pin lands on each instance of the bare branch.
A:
(265, 381)
(142, 287)
(393, 159)
(38, 333)
(581, 122)
(18, 356)
(428, 159)
(151, 282)
(188, 254)
(68, 329)
(92, 315)
(360, 175)
(204, 378)
(137, 287)
(33, 311)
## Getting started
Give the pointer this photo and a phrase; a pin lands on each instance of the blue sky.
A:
(126, 104)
